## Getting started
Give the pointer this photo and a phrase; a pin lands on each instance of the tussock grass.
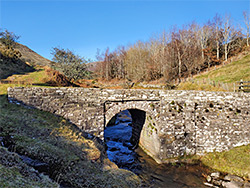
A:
(223, 77)
(36, 77)
(229, 73)
(235, 161)
(199, 87)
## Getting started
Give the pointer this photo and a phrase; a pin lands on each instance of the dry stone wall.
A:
(176, 122)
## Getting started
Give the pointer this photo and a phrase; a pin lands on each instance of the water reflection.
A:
(119, 148)
(120, 151)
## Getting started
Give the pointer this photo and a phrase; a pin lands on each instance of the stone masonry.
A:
(166, 123)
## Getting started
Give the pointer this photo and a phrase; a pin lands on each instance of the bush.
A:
(71, 65)
(9, 39)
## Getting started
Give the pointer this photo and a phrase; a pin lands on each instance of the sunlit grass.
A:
(199, 87)
(223, 78)
(235, 161)
(38, 77)
(230, 73)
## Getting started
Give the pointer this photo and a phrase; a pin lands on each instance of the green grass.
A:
(222, 78)
(198, 87)
(235, 161)
(229, 73)
(37, 77)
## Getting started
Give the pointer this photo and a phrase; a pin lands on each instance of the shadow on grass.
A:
(74, 158)
(10, 66)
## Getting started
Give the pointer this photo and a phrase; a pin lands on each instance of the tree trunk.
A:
(247, 39)
(202, 53)
(179, 59)
(218, 50)
(107, 71)
(225, 52)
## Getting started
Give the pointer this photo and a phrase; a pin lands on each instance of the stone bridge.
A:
(166, 124)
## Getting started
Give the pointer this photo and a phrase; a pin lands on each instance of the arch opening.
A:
(122, 135)
(145, 116)
(134, 118)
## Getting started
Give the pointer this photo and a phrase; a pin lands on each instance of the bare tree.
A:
(217, 30)
(247, 24)
(204, 34)
(230, 34)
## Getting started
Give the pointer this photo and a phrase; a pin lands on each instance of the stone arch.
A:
(145, 123)
(114, 107)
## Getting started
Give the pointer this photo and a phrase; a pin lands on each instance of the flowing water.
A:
(121, 152)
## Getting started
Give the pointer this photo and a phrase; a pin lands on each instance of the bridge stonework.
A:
(166, 124)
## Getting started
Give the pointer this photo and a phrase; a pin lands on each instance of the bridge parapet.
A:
(176, 122)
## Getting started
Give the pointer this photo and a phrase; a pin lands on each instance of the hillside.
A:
(221, 78)
(10, 66)
(32, 57)
(19, 60)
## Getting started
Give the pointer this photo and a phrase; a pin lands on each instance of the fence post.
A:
(241, 87)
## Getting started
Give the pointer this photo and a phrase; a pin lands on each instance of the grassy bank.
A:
(14, 173)
(235, 161)
(229, 73)
(221, 78)
(72, 159)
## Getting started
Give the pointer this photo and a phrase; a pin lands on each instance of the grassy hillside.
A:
(19, 60)
(229, 73)
(221, 78)
(32, 57)
(10, 65)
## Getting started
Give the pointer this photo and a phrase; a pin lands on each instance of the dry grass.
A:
(199, 87)
(15, 173)
(73, 159)
(235, 161)
(230, 73)
(221, 78)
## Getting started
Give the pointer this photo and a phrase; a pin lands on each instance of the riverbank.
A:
(70, 157)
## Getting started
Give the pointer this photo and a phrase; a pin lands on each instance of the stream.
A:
(121, 152)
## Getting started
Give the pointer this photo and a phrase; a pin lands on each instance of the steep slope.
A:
(221, 78)
(11, 65)
(32, 57)
(19, 60)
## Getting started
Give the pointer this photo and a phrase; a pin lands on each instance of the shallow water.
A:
(120, 151)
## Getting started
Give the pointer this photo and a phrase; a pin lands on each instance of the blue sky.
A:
(83, 26)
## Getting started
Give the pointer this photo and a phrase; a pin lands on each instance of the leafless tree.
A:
(230, 34)
(217, 21)
(247, 24)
